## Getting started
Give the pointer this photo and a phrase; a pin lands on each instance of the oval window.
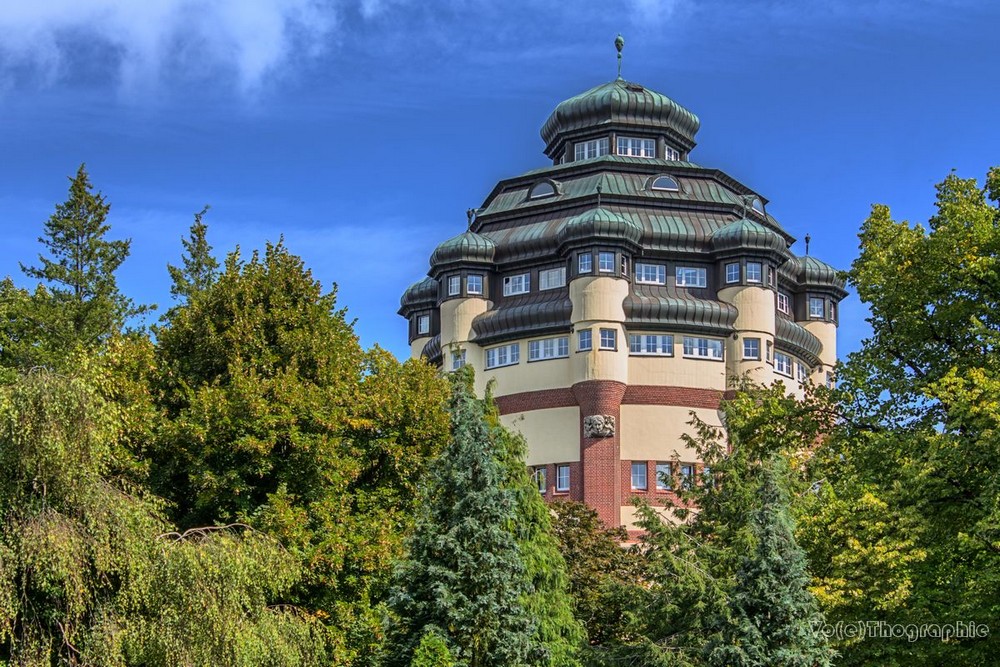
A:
(665, 183)
(543, 189)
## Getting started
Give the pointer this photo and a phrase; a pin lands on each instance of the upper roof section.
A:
(466, 247)
(622, 105)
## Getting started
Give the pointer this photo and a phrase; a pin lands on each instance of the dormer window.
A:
(757, 205)
(585, 150)
(672, 154)
(636, 147)
(666, 183)
(541, 190)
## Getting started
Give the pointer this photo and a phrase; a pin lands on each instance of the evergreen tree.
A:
(79, 303)
(775, 620)
(199, 266)
(464, 572)
(433, 651)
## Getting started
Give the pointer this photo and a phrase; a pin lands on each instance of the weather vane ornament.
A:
(808, 239)
(619, 44)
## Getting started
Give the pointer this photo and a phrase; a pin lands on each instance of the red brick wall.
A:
(690, 397)
(535, 400)
(600, 456)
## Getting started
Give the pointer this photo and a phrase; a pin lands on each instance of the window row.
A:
(684, 276)
(783, 363)
(473, 285)
(607, 339)
(629, 146)
(664, 476)
(540, 475)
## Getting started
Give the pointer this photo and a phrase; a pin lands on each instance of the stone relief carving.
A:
(599, 426)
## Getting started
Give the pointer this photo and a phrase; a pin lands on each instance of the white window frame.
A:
(732, 273)
(782, 364)
(474, 283)
(586, 150)
(783, 303)
(691, 276)
(547, 190)
(697, 347)
(650, 274)
(673, 187)
(672, 154)
(454, 285)
(584, 340)
(755, 272)
(548, 348)
(609, 339)
(552, 278)
(457, 359)
(503, 355)
(637, 147)
(755, 342)
(639, 481)
(664, 476)
(813, 302)
(562, 478)
(519, 283)
(585, 263)
(601, 264)
(651, 344)
(423, 324)
(802, 374)
(540, 476)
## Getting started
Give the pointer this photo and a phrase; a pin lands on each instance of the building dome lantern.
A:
(744, 235)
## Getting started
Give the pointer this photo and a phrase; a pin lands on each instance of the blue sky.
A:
(362, 131)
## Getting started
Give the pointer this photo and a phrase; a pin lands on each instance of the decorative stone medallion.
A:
(599, 426)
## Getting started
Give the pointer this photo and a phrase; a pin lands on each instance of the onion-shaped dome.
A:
(624, 103)
(432, 351)
(810, 271)
(796, 339)
(466, 247)
(420, 295)
(661, 308)
(747, 234)
(533, 315)
(600, 224)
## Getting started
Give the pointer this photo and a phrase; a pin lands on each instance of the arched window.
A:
(665, 183)
(541, 190)
(757, 205)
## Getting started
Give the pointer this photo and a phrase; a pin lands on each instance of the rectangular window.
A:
(636, 147)
(672, 154)
(562, 478)
(803, 372)
(770, 277)
(474, 284)
(687, 476)
(660, 344)
(606, 262)
(519, 284)
(457, 359)
(654, 274)
(584, 340)
(624, 266)
(688, 276)
(505, 355)
(548, 348)
(783, 363)
(585, 262)
(585, 150)
(783, 306)
(732, 273)
(609, 339)
(638, 475)
(454, 285)
(770, 347)
(552, 278)
(815, 306)
(751, 348)
(707, 348)
(541, 483)
(423, 324)
(664, 476)
(833, 310)
(753, 272)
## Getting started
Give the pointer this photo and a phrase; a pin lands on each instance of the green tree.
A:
(78, 303)
(432, 651)
(775, 619)
(464, 572)
(199, 268)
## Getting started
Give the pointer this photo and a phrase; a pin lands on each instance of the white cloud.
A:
(138, 43)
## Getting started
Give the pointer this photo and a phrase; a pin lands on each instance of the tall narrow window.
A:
(733, 273)
(815, 306)
(783, 363)
(664, 476)
(423, 324)
(457, 359)
(562, 478)
(751, 348)
(687, 476)
(584, 341)
(638, 475)
(753, 272)
(454, 285)
(585, 262)
(474, 284)
(538, 474)
(783, 303)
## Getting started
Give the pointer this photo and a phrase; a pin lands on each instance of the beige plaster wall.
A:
(456, 319)
(826, 332)
(525, 375)
(417, 346)
(676, 371)
(553, 435)
(653, 432)
(598, 299)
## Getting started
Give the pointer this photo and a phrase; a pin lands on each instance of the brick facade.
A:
(601, 457)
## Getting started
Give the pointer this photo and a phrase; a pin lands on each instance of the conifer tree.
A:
(775, 619)
(199, 266)
(464, 573)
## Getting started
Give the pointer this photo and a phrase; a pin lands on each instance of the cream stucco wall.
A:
(456, 319)
(653, 432)
(526, 375)
(629, 515)
(676, 371)
(826, 332)
(553, 435)
(598, 299)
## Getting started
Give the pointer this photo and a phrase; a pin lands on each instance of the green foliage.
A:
(199, 266)
(78, 303)
(464, 573)
(432, 651)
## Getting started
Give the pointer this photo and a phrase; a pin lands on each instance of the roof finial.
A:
(619, 44)
(808, 239)
(598, 195)
(471, 215)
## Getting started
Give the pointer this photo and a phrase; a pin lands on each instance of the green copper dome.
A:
(746, 234)
(421, 293)
(600, 224)
(467, 247)
(812, 272)
(621, 103)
